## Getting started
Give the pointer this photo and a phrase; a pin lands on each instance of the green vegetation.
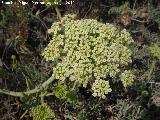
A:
(42, 112)
(155, 50)
(83, 61)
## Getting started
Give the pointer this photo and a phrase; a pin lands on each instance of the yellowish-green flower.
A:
(101, 88)
(127, 78)
(155, 50)
(42, 112)
(88, 49)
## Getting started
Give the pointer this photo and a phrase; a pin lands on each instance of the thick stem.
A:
(35, 90)
(75, 83)
(58, 12)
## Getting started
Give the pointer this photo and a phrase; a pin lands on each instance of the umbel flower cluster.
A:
(87, 51)
(155, 50)
(42, 112)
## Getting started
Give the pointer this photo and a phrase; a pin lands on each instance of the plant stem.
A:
(42, 97)
(75, 83)
(58, 12)
(151, 69)
(35, 90)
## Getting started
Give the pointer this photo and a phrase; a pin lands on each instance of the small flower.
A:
(127, 78)
(101, 88)
(88, 49)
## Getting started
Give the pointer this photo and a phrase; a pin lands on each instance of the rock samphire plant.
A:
(87, 52)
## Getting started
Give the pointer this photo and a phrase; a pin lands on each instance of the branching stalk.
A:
(35, 90)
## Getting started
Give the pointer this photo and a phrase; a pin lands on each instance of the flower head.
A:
(89, 49)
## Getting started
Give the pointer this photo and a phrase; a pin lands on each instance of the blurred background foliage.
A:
(23, 36)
